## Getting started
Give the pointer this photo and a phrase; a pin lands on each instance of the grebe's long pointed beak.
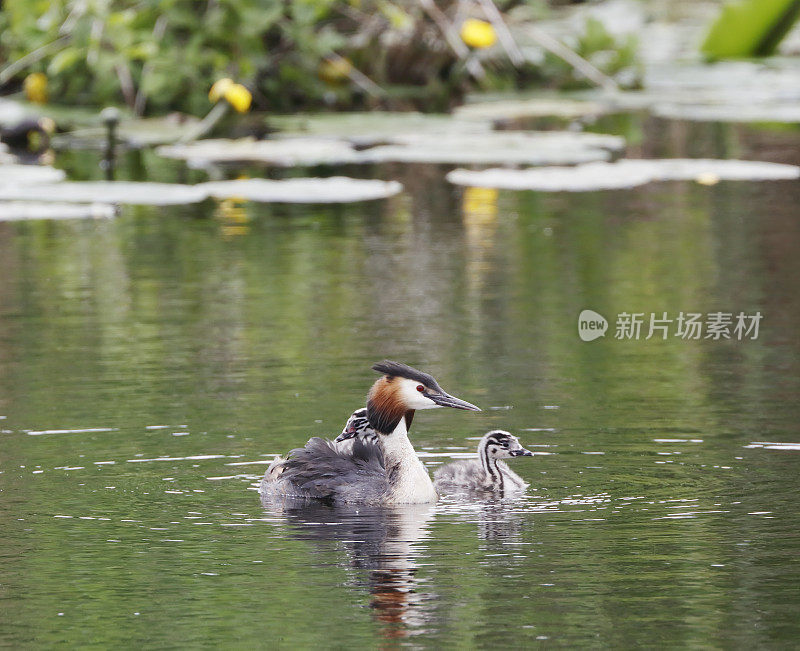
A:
(522, 452)
(445, 400)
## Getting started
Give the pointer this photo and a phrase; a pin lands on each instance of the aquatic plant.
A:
(161, 56)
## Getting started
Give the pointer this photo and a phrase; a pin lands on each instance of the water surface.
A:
(152, 365)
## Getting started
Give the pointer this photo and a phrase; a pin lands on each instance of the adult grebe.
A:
(487, 472)
(387, 473)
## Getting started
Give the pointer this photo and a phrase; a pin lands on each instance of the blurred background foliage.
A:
(157, 56)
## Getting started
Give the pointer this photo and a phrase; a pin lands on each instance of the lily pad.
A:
(375, 126)
(66, 117)
(725, 91)
(289, 152)
(773, 112)
(491, 147)
(327, 190)
(516, 108)
(335, 189)
(84, 128)
(729, 91)
(25, 210)
(134, 133)
(6, 157)
(498, 147)
(623, 174)
(147, 194)
(12, 113)
(12, 175)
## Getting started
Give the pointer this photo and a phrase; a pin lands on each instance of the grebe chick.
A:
(488, 472)
(357, 428)
(386, 473)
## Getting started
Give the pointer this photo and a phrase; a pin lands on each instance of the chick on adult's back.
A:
(388, 472)
(356, 428)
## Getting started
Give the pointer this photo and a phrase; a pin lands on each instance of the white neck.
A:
(409, 482)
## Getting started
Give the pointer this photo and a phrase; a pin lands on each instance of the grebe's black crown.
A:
(396, 369)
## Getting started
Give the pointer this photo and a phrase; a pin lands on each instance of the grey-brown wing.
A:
(319, 470)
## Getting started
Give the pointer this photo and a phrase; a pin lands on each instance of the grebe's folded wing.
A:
(319, 470)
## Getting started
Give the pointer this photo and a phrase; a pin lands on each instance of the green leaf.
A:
(142, 51)
(64, 60)
(750, 28)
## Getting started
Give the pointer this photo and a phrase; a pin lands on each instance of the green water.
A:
(152, 365)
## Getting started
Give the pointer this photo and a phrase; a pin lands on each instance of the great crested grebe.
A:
(387, 473)
(488, 472)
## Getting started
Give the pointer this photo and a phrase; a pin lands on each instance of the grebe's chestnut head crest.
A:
(403, 389)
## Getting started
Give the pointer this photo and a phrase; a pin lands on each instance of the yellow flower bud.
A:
(239, 97)
(35, 86)
(478, 33)
(334, 70)
(219, 89)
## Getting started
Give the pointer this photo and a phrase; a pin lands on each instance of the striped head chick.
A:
(492, 449)
(357, 428)
(499, 444)
(488, 472)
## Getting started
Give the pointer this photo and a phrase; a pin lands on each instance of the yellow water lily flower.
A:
(35, 86)
(478, 33)
(219, 89)
(239, 97)
(334, 69)
(235, 94)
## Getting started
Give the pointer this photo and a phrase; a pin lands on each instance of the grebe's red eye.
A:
(420, 388)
